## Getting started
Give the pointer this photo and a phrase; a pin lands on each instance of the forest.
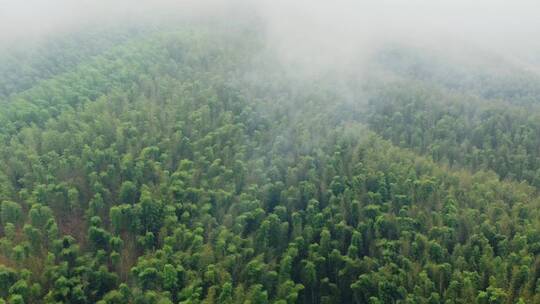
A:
(187, 164)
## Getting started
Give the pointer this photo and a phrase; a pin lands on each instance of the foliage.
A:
(187, 167)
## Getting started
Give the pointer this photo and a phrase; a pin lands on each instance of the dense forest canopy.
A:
(188, 163)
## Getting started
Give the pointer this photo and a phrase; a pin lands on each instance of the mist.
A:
(312, 34)
(342, 31)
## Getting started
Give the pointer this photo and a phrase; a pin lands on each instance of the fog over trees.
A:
(198, 152)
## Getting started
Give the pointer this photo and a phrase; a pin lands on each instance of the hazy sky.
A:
(335, 29)
(510, 27)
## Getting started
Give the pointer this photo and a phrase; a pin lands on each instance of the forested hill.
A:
(24, 65)
(486, 75)
(190, 166)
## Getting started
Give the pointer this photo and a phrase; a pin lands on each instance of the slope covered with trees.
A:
(24, 65)
(459, 129)
(472, 71)
(190, 167)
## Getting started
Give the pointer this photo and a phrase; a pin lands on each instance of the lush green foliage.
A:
(24, 65)
(460, 130)
(189, 167)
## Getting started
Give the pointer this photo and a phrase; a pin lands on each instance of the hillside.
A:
(192, 166)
